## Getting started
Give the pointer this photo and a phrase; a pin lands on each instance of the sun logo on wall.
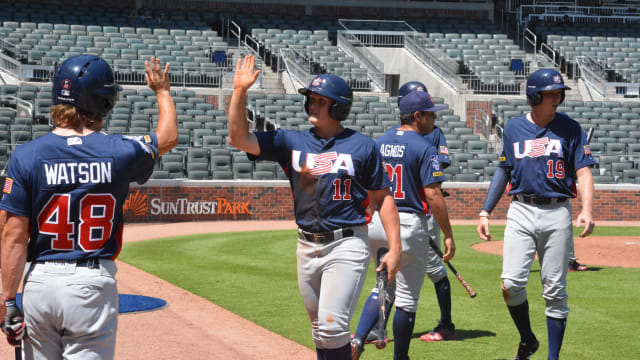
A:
(136, 203)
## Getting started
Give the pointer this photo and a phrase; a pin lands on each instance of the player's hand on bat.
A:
(449, 249)
(157, 79)
(483, 229)
(391, 261)
(13, 325)
(585, 219)
(245, 74)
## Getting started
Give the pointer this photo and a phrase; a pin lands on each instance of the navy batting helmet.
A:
(544, 80)
(334, 88)
(408, 87)
(87, 82)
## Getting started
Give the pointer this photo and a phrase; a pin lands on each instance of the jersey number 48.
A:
(95, 221)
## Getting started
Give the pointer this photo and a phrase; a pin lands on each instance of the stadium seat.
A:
(466, 177)
(631, 176)
(242, 171)
(477, 146)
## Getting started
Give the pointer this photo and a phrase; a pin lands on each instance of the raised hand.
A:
(245, 74)
(157, 79)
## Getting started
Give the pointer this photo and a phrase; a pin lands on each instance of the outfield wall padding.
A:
(183, 200)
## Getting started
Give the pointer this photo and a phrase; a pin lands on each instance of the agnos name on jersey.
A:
(318, 164)
(538, 147)
(390, 150)
(95, 172)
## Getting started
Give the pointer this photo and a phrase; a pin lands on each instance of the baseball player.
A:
(413, 166)
(65, 191)
(543, 154)
(445, 330)
(330, 170)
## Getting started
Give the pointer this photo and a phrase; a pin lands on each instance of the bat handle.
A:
(466, 286)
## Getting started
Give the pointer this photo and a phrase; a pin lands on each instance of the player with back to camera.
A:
(543, 154)
(412, 163)
(330, 169)
(65, 191)
(436, 271)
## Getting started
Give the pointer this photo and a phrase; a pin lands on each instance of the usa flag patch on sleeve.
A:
(587, 150)
(8, 184)
(444, 150)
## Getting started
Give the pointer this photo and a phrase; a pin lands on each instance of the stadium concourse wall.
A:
(189, 200)
(475, 9)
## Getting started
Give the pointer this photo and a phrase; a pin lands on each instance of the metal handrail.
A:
(296, 71)
(23, 103)
(373, 72)
(527, 38)
(544, 48)
(432, 58)
(590, 75)
(233, 26)
(481, 122)
(342, 22)
(361, 52)
(498, 138)
(251, 41)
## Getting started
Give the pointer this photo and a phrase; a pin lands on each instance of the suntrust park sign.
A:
(189, 203)
(183, 206)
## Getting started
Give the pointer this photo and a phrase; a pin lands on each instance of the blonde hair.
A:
(71, 117)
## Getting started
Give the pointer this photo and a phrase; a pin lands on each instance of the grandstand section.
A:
(476, 65)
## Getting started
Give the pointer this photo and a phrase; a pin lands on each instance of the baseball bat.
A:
(589, 135)
(381, 284)
(18, 352)
(455, 272)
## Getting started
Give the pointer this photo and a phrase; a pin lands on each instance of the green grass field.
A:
(253, 274)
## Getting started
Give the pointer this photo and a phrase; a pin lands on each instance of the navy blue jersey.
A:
(72, 189)
(436, 137)
(412, 163)
(329, 178)
(543, 161)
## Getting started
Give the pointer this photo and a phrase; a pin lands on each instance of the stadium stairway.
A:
(574, 93)
(271, 83)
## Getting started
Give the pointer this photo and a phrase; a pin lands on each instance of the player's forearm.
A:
(15, 237)
(239, 135)
(439, 210)
(390, 220)
(167, 129)
(585, 186)
(496, 189)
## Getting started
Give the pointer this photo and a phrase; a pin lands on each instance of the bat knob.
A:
(380, 344)
(474, 295)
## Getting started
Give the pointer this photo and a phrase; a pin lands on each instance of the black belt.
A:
(91, 263)
(326, 237)
(538, 200)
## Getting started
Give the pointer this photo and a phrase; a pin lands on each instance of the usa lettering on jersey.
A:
(67, 173)
(538, 147)
(325, 163)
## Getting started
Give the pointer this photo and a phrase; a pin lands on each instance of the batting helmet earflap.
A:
(334, 88)
(408, 87)
(544, 80)
(87, 82)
